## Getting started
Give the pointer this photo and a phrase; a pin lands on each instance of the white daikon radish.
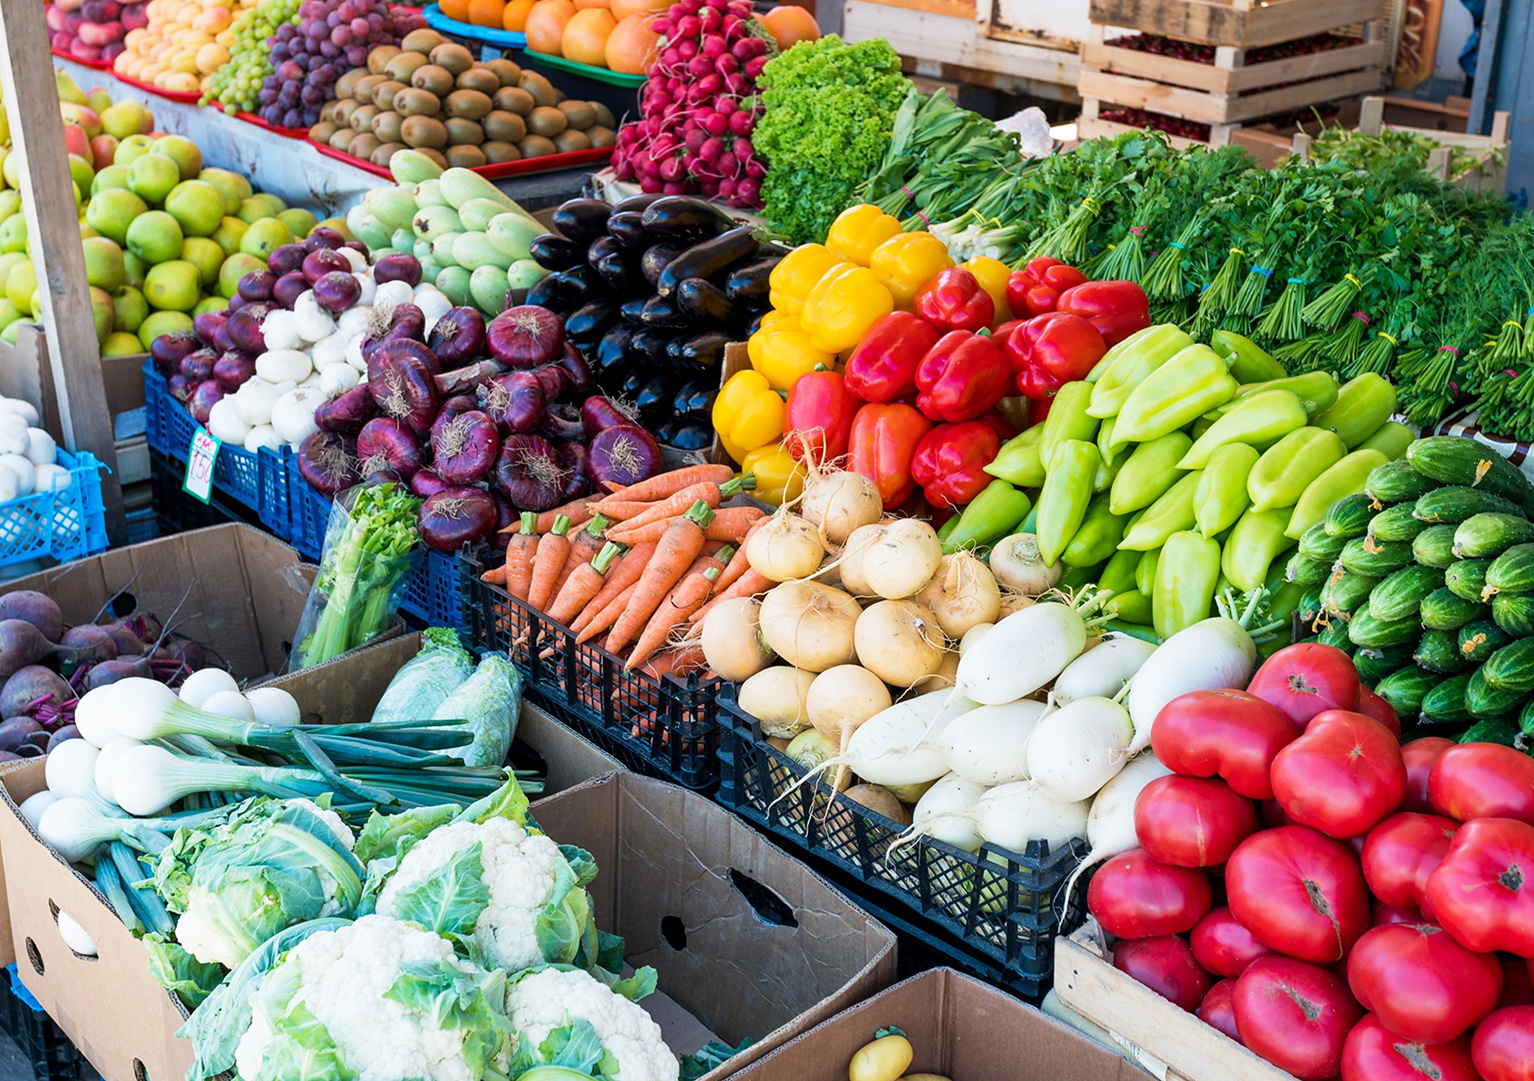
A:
(942, 815)
(1079, 748)
(902, 560)
(989, 746)
(1102, 670)
(1011, 815)
(1022, 653)
(1207, 656)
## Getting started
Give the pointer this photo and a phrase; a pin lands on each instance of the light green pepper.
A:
(1145, 571)
(1169, 514)
(1119, 575)
(1063, 501)
(1108, 359)
(1285, 469)
(1254, 543)
(1220, 499)
(1110, 455)
(1186, 575)
(1341, 479)
(1171, 397)
(1258, 421)
(1148, 472)
(1315, 390)
(998, 510)
(1018, 460)
(1250, 363)
(1391, 439)
(1363, 404)
(1098, 536)
(1067, 419)
(1127, 364)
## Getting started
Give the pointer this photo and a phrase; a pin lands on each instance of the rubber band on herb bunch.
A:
(1281, 322)
(1254, 289)
(1376, 357)
(1345, 341)
(1328, 309)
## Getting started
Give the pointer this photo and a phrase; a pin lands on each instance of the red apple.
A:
(103, 147)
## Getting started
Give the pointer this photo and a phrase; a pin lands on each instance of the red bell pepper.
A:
(884, 439)
(1483, 891)
(883, 366)
(961, 377)
(1000, 423)
(1036, 288)
(1116, 309)
(950, 462)
(817, 421)
(955, 300)
(1051, 350)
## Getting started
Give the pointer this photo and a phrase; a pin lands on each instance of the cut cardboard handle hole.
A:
(139, 1073)
(768, 906)
(674, 931)
(53, 910)
(124, 605)
(35, 957)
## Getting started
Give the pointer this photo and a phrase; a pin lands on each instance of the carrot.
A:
(622, 512)
(663, 484)
(739, 564)
(553, 547)
(674, 662)
(676, 548)
(685, 598)
(575, 510)
(733, 523)
(747, 585)
(584, 547)
(584, 583)
(520, 549)
(711, 493)
(619, 578)
(495, 576)
(607, 616)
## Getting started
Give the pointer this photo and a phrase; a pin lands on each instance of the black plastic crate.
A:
(41, 1042)
(1004, 906)
(666, 727)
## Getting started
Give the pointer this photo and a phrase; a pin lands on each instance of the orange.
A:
(632, 47)
(455, 9)
(622, 9)
(514, 18)
(546, 25)
(586, 34)
(486, 12)
(582, 5)
(791, 25)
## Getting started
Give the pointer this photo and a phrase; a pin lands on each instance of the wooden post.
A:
(37, 136)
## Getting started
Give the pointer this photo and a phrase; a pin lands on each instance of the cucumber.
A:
(1454, 505)
(1401, 594)
(1346, 592)
(1446, 701)
(1397, 482)
(1438, 651)
(1434, 546)
(1366, 631)
(1526, 718)
(1364, 555)
(1512, 571)
(1405, 687)
(1336, 634)
(1480, 638)
(1467, 578)
(1309, 607)
(1375, 664)
(1455, 460)
(1444, 610)
(1484, 700)
(1396, 524)
(1317, 543)
(1483, 536)
(1307, 572)
(1503, 729)
(1349, 516)
(1514, 613)
(1511, 668)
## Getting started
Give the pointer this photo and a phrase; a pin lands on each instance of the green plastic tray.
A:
(601, 75)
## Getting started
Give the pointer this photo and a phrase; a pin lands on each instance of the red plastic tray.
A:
(99, 65)
(550, 163)
(286, 133)
(168, 95)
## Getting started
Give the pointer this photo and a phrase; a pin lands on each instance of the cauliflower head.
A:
(375, 1000)
(550, 1000)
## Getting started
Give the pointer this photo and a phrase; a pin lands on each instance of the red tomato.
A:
(1372, 1053)
(1228, 734)
(1483, 891)
(1222, 945)
(1295, 1015)
(1422, 984)
(1401, 852)
(1419, 756)
(1134, 896)
(1299, 892)
(1306, 679)
(1517, 982)
(1192, 822)
(1342, 777)
(1483, 780)
(1165, 965)
(1273, 815)
(1372, 705)
(1385, 915)
(1218, 1010)
(1503, 1047)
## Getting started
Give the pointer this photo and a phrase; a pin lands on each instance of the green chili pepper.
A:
(1018, 460)
(1098, 536)
(1174, 395)
(1129, 363)
(1315, 390)
(1250, 363)
(1186, 575)
(1076, 578)
(1169, 514)
(1254, 543)
(1119, 574)
(1285, 469)
(1064, 498)
(998, 510)
(1110, 455)
(1391, 439)
(1067, 419)
(1221, 498)
(1343, 478)
(1363, 404)
(1145, 571)
(1258, 420)
(1148, 472)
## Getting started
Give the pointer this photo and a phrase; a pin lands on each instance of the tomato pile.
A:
(1340, 903)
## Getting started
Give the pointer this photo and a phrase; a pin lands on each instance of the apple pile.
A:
(94, 29)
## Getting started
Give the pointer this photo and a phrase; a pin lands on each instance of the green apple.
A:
(121, 344)
(20, 284)
(155, 237)
(228, 234)
(197, 205)
(131, 149)
(152, 177)
(258, 206)
(112, 211)
(104, 263)
(182, 151)
(236, 267)
(98, 99)
(134, 268)
(205, 255)
(10, 169)
(264, 235)
(159, 323)
(8, 260)
(10, 203)
(211, 304)
(232, 186)
(12, 332)
(129, 309)
(112, 177)
(123, 119)
(299, 221)
(9, 313)
(80, 172)
(101, 313)
(172, 286)
(13, 234)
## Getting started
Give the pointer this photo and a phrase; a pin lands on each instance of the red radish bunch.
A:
(699, 107)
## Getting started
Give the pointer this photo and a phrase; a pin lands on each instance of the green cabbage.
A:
(490, 701)
(423, 682)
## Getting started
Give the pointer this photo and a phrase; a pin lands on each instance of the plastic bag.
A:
(490, 702)
(424, 682)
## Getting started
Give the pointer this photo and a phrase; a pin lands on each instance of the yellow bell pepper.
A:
(858, 230)
(905, 263)
(796, 274)
(747, 414)
(778, 477)
(839, 311)
(992, 275)
(783, 352)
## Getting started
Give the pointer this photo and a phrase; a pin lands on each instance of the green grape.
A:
(237, 84)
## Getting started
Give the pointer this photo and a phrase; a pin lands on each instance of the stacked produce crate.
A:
(1205, 72)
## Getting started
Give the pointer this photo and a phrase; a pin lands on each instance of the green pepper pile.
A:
(1178, 471)
(1427, 580)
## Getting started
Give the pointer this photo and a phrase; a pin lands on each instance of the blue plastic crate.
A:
(41, 1042)
(67, 523)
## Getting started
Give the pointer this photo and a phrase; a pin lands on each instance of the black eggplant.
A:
(710, 257)
(587, 324)
(750, 280)
(627, 228)
(634, 379)
(566, 290)
(705, 350)
(703, 301)
(615, 265)
(649, 346)
(612, 352)
(655, 259)
(686, 218)
(695, 398)
(663, 314)
(681, 434)
(654, 398)
(583, 220)
(632, 311)
(754, 325)
(636, 202)
(553, 252)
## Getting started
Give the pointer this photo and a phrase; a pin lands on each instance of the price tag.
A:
(201, 456)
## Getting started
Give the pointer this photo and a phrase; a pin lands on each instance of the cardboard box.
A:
(958, 1027)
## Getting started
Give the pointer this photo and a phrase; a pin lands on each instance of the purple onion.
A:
(324, 237)
(337, 291)
(599, 412)
(458, 337)
(286, 258)
(463, 447)
(221, 339)
(573, 461)
(180, 387)
(577, 372)
(257, 285)
(245, 329)
(427, 482)
(622, 454)
(289, 288)
(404, 387)
(515, 401)
(167, 350)
(456, 516)
(204, 398)
(551, 377)
(323, 261)
(235, 303)
(525, 337)
(459, 403)
(528, 473)
(398, 267)
(233, 370)
(206, 325)
(328, 462)
(348, 411)
(386, 444)
(198, 366)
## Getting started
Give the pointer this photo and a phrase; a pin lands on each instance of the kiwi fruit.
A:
(501, 126)
(363, 144)
(513, 99)
(547, 120)
(383, 93)
(479, 78)
(386, 126)
(362, 117)
(342, 138)
(465, 156)
(403, 66)
(536, 146)
(419, 131)
(469, 104)
(414, 102)
(322, 132)
(452, 56)
(343, 111)
(605, 116)
(363, 88)
(434, 78)
(580, 114)
(571, 140)
(507, 71)
(600, 136)
(435, 155)
(462, 132)
(497, 151)
(421, 41)
(345, 83)
(328, 109)
(379, 58)
(540, 88)
(386, 151)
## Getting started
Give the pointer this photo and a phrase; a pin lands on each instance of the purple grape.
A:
(357, 55)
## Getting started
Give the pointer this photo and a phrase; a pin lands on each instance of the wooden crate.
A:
(1491, 151)
(1262, 142)
(1239, 24)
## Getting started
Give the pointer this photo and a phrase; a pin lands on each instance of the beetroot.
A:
(289, 288)
(112, 672)
(59, 735)
(386, 444)
(36, 608)
(458, 337)
(204, 398)
(168, 349)
(525, 337)
(25, 689)
(286, 258)
(348, 411)
(244, 328)
(515, 401)
(463, 447)
(456, 516)
(529, 474)
(90, 642)
(398, 267)
(623, 454)
(15, 731)
(328, 462)
(257, 285)
(233, 369)
(404, 388)
(427, 482)
(22, 644)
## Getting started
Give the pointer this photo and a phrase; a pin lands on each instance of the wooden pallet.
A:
(1239, 24)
